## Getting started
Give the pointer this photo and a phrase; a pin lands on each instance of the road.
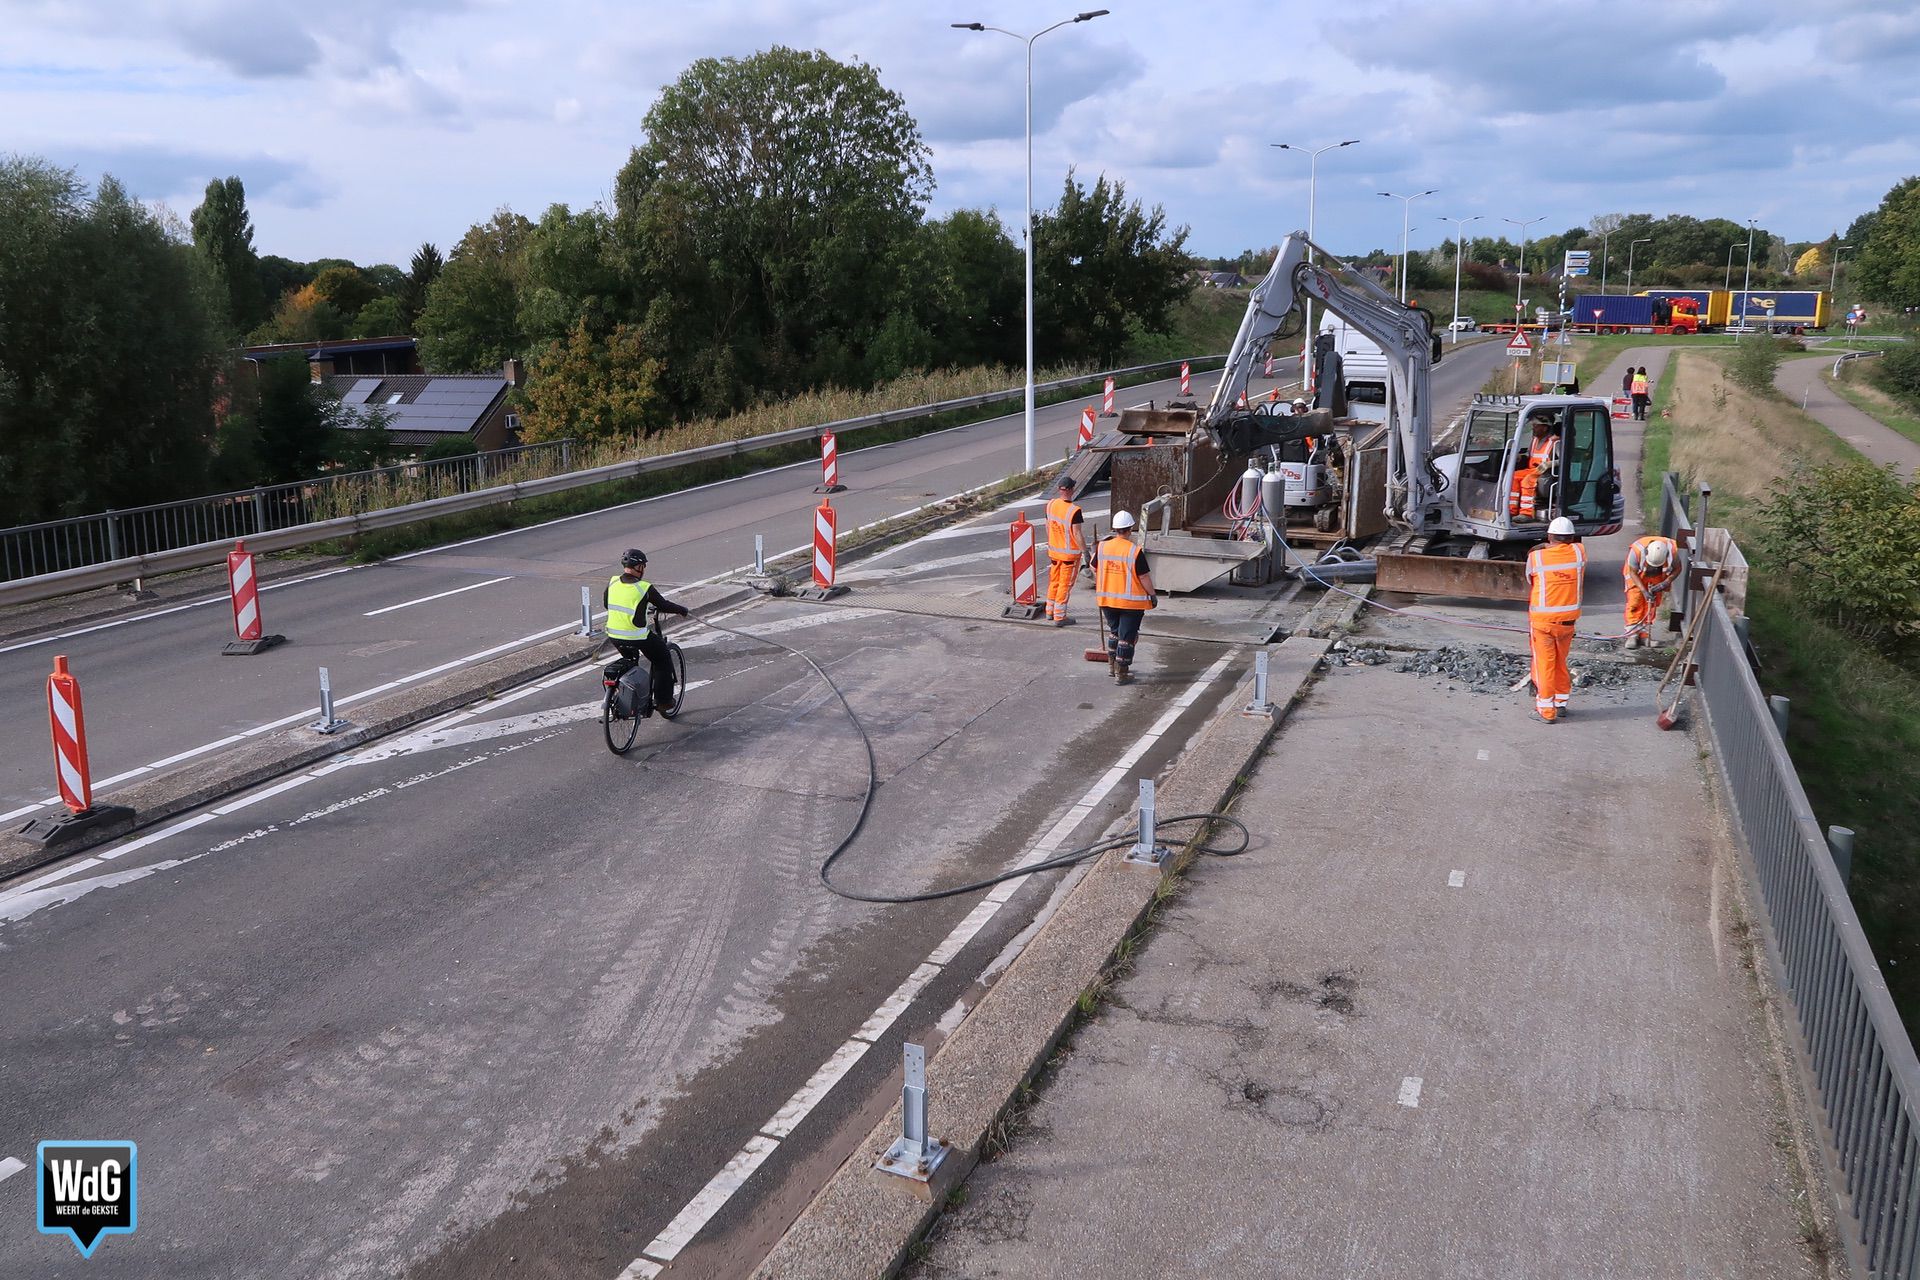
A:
(1806, 382)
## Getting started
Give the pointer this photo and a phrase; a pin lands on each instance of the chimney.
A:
(514, 372)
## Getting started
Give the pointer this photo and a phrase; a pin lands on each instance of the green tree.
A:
(278, 277)
(421, 273)
(363, 438)
(571, 274)
(593, 388)
(767, 220)
(1886, 264)
(1848, 537)
(973, 281)
(347, 289)
(286, 422)
(108, 343)
(472, 316)
(1755, 361)
(1103, 265)
(302, 316)
(223, 235)
(380, 318)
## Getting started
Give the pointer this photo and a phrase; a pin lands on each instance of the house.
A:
(1226, 280)
(423, 409)
(361, 356)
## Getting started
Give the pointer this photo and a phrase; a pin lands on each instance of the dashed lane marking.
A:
(9, 1167)
(1456, 879)
(438, 595)
(1410, 1091)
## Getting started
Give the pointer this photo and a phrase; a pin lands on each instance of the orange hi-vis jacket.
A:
(1639, 385)
(1115, 584)
(1636, 565)
(1556, 572)
(1063, 536)
(1526, 480)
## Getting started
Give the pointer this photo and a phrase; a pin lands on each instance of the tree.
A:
(108, 342)
(766, 219)
(1886, 265)
(1811, 263)
(971, 277)
(380, 318)
(363, 438)
(421, 273)
(285, 421)
(223, 235)
(1103, 265)
(1847, 535)
(278, 277)
(593, 389)
(303, 316)
(472, 315)
(571, 274)
(347, 288)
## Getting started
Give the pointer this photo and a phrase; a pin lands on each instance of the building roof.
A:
(315, 350)
(422, 408)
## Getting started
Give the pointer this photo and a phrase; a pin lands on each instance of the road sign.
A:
(1519, 345)
(1578, 260)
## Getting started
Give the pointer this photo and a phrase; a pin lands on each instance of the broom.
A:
(1683, 657)
(1100, 654)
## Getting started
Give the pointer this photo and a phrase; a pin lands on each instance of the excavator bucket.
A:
(1464, 577)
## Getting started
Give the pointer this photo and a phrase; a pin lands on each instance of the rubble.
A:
(1484, 668)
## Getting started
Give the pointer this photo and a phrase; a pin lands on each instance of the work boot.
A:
(1063, 621)
(1113, 667)
(1541, 716)
(1123, 674)
(1634, 641)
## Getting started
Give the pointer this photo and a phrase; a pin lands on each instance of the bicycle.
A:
(622, 730)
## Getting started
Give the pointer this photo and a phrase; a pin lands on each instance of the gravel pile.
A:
(1483, 668)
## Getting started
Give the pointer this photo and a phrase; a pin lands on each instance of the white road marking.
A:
(1410, 1091)
(1456, 879)
(687, 1223)
(864, 574)
(9, 1167)
(1483, 755)
(640, 1269)
(442, 595)
(221, 598)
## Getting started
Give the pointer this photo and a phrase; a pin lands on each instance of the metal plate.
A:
(1457, 576)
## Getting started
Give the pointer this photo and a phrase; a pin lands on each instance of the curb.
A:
(863, 1223)
(1333, 616)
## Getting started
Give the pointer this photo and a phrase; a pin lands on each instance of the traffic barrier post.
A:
(829, 465)
(1186, 379)
(1106, 401)
(243, 586)
(915, 1154)
(1241, 403)
(1622, 407)
(826, 530)
(67, 725)
(1146, 850)
(1267, 372)
(1086, 426)
(1026, 581)
(328, 722)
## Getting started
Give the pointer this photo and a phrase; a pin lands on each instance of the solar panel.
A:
(458, 393)
(360, 391)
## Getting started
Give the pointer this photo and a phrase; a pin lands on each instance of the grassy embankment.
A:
(1856, 386)
(1855, 727)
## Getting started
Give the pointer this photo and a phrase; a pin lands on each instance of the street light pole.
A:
(1406, 207)
(1520, 277)
(1313, 178)
(1630, 248)
(1726, 285)
(1459, 247)
(1028, 40)
(1746, 284)
(1833, 279)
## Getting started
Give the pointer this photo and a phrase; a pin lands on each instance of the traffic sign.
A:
(1519, 345)
(1578, 260)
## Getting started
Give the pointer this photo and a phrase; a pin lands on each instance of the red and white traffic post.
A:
(826, 534)
(1026, 579)
(829, 465)
(244, 587)
(1106, 404)
(1086, 426)
(1186, 379)
(1268, 371)
(67, 724)
(1241, 403)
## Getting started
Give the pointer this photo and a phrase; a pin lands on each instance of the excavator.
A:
(1453, 522)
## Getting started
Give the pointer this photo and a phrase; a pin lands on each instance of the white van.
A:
(1364, 369)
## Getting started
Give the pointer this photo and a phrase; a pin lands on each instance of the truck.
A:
(1789, 310)
(1363, 368)
(1632, 313)
(1710, 305)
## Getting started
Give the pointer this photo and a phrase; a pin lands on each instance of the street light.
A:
(1746, 284)
(1726, 285)
(1521, 277)
(1834, 278)
(1640, 241)
(1406, 207)
(1459, 247)
(1088, 16)
(1313, 178)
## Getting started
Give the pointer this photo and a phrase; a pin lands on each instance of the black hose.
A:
(1066, 859)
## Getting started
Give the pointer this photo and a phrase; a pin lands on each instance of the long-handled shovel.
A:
(1683, 663)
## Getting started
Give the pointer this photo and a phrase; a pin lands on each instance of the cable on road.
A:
(1066, 858)
(1448, 619)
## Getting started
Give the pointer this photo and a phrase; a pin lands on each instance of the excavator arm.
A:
(1404, 336)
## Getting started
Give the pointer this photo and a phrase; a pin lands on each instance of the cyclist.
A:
(627, 598)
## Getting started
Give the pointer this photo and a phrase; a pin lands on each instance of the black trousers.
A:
(654, 650)
(1123, 632)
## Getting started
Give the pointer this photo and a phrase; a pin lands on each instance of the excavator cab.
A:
(1490, 464)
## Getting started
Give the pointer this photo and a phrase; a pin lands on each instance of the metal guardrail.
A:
(31, 550)
(128, 567)
(1853, 355)
(1857, 1048)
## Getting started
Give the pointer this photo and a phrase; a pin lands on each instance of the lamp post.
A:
(1088, 16)
(1406, 207)
(1746, 284)
(1520, 277)
(1459, 247)
(1642, 240)
(1726, 285)
(1833, 279)
(1313, 155)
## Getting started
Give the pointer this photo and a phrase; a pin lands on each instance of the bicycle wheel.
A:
(679, 680)
(620, 733)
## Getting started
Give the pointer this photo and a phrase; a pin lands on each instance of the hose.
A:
(1065, 859)
(1448, 619)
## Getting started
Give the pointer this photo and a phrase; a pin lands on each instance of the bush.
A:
(1754, 363)
(1847, 536)
(1898, 372)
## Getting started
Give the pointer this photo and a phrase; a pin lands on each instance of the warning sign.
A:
(1519, 346)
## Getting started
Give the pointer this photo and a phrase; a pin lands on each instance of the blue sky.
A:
(362, 128)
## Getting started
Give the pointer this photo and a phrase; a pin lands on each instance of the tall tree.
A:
(223, 234)
(766, 219)
(421, 273)
(593, 388)
(1103, 266)
(472, 316)
(1886, 262)
(572, 274)
(286, 422)
(107, 348)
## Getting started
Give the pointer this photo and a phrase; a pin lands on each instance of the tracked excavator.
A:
(1450, 511)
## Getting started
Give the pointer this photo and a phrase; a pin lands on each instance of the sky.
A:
(362, 127)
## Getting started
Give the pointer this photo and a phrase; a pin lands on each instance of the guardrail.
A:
(213, 551)
(1852, 355)
(1858, 1051)
(31, 550)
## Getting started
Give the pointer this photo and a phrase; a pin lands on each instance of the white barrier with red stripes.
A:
(1622, 407)
(1241, 403)
(1268, 372)
(1026, 583)
(69, 727)
(826, 527)
(1186, 379)
(1086, 426)
(829, 465)
(245, 590)
(1106, 406)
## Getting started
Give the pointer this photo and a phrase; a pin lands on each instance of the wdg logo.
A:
(87, 1190)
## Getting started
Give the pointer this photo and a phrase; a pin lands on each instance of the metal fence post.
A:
(913, 1154)
(760, 554)
(586, 614)
(1146, 851)
(566, 456)
(1779, 706)
(1840, 841)
(259, 510)
(328, 722)
(1259, 706)
(114, 551)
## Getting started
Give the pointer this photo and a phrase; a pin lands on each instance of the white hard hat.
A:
(1658, 552)
(1122, 520)
(1561, 527)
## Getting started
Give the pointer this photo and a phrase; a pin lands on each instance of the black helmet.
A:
(633, 558)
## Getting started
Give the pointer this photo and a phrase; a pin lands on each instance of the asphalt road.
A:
(156, 687)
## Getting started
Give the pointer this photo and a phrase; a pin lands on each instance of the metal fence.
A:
(1857, 1048)
(30, 550)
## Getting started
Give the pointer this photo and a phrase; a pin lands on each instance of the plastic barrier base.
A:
(247, 648)
(99, 822)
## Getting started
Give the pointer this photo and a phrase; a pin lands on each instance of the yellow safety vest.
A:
(1063, 540)
(1115, 584)
(624, 619)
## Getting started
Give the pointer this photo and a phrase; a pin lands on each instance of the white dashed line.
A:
(440, 595)
(1410, 1091)
(1484, 755)
(9, 1167)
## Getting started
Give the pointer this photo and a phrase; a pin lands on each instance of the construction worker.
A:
(1640, 387)
(627, 598)
(1649, 569)
(1124, 590)
(1556, 574)
(1066, 551)
(1523, 501)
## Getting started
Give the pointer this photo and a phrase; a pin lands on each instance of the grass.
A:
(1854, 731)
(1856, 387)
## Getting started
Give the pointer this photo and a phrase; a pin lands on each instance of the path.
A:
(1807, 381)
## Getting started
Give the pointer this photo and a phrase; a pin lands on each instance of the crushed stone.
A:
(1483, 668)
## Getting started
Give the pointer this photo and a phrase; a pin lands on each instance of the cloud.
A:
(158, 172)
(251, 40)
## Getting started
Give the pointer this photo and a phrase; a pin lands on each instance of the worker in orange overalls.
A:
(1123, 588)
(1522, 503)
(1066, 551)
(1649, 570)
(1556, 574)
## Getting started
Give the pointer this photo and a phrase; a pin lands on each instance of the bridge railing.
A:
(1857, 1048)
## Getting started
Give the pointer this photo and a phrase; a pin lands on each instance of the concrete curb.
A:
(862, 1222)
(1334, 615)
